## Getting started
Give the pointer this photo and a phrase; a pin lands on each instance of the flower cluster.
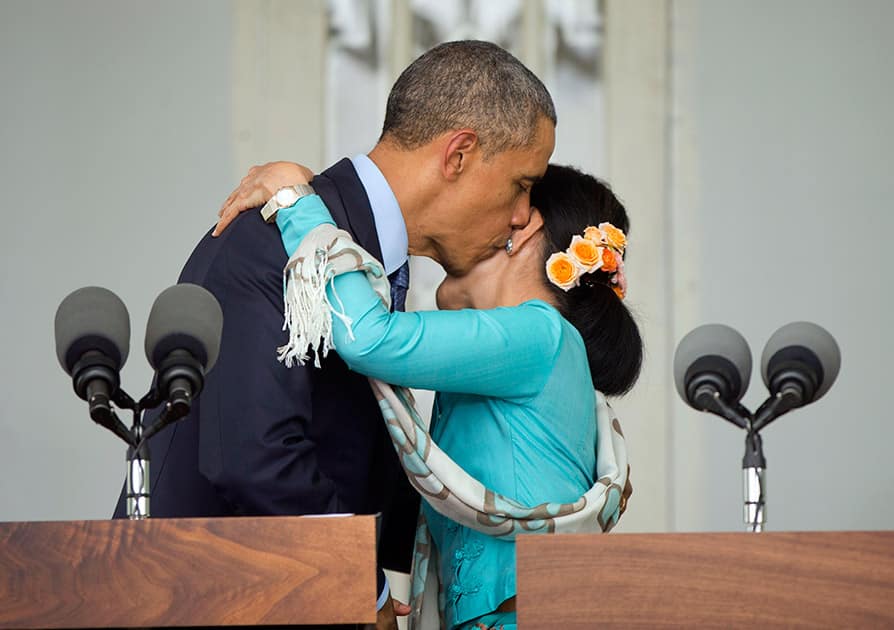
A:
(599, 249)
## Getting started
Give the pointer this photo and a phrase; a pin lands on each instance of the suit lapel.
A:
(344, 195)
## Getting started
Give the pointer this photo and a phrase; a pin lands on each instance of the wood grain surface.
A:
(187, 572)
(788, 579)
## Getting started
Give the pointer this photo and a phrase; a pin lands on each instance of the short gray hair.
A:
(471, 84)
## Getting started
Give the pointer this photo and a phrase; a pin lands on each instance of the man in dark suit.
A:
(467, 132)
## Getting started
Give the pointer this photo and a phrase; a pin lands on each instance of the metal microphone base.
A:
(755, 509)
(137, 483)
(137, 488)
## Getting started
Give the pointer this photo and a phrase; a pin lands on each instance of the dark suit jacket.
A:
(265, 439)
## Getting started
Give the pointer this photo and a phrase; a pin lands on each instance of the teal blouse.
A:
(515, 407)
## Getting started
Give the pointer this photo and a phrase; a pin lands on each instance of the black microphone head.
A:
(184, 317)
(805, 351)
(714, 353)
(92, 319)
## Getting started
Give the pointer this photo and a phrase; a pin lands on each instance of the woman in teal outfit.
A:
(515, 358)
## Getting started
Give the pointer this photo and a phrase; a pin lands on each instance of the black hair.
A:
(467, 84)
(569, 202)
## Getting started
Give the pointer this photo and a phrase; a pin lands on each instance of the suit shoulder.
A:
(249, 249)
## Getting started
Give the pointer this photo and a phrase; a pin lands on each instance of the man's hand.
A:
(258, 187)
(387, 616)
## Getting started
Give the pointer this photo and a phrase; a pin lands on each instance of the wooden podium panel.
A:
(188, 572)
(787, 579)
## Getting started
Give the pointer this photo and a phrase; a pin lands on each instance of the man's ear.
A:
(459, 150)
(525, 234)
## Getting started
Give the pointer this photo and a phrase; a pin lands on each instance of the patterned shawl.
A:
(327, 252)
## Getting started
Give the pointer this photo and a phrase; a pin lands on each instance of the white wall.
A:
(783, 147)
(116, 149)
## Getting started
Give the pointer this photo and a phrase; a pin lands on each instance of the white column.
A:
(637, 108)
(279, 50)
(400, 39)
(689, 469)
(532, 49)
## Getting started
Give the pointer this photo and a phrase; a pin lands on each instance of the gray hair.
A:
(471, 84)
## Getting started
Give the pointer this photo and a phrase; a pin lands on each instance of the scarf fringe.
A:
(324, 253)
(308, 311)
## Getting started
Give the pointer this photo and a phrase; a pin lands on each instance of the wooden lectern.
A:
(788, 579)
(188, 572)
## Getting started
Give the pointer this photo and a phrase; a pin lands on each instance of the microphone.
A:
(182, 343)
(799, 364)
(92, 329)
(712, 367)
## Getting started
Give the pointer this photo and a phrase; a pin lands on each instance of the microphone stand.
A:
(137, 493)
(137, 480)
(754, 467)
(136, 485)
(753, 463)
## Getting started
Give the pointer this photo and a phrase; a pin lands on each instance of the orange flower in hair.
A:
(587, 253)
(613, 236)
(609, 260)
(563, 271)
(596, 235)
(600, 249)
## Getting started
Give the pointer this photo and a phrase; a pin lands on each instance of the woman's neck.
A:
(517, 281)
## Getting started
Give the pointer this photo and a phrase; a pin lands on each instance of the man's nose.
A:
(521, 214)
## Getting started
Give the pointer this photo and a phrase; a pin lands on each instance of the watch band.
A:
(285, 197)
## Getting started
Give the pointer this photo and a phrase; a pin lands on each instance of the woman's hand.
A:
(258, 187)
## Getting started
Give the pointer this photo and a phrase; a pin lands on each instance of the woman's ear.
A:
(534, 227)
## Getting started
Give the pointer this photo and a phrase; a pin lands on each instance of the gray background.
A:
(119, 140)
(789, 106)
(116, 148)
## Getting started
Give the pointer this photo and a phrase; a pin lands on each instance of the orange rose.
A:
(613, 236)
(609, 260)
(595, 234)
(587, 253)
(562, 271)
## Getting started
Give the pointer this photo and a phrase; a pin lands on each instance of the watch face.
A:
(286, 197)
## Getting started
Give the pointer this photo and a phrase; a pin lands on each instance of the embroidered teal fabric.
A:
(533, 449)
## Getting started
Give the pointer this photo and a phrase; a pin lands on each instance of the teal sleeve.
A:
(504, 352)
(297, 220)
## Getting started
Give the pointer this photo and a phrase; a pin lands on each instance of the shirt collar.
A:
(390, 226)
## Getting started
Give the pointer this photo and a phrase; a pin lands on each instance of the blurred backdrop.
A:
(753, 143)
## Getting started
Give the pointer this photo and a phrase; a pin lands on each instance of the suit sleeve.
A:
(254, 444)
